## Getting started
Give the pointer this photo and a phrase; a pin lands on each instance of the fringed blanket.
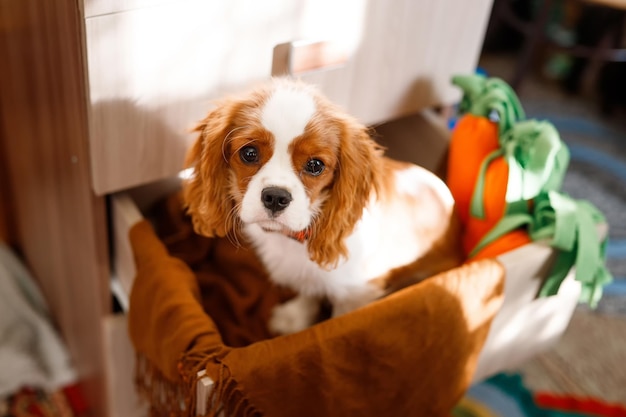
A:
(202, 304)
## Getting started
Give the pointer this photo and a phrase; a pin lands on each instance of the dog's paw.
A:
(293, 316)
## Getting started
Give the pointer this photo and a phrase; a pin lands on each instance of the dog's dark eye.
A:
(249, 154)
(314, 167)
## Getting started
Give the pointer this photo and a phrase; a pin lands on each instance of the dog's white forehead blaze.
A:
(287, 112)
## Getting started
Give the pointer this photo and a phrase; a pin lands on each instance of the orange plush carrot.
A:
(489, 108)
(496, 178)
(473, 139)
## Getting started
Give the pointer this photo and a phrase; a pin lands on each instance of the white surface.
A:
(526, 325)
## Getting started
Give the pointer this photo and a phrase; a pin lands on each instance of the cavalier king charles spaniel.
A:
(328, 215)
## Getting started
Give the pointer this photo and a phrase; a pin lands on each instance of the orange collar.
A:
(300, 236)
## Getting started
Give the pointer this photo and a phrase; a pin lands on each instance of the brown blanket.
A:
(202, 304)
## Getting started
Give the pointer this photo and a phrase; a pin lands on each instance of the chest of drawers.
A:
(98, 97)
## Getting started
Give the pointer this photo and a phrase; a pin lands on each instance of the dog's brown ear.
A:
(359, 171)
(206, 192)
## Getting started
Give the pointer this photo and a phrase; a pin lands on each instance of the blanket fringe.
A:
(165, 397)
(168, 398)
(228, 399)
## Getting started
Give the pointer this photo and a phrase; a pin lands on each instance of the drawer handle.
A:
(294, 58)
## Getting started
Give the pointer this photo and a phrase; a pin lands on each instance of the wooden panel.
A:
(153, 71)
(60, 223)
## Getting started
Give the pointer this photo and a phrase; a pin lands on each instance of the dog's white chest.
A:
(287, 262)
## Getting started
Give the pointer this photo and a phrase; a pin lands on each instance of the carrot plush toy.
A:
(488, 109)
(505, 174)
(498, 160)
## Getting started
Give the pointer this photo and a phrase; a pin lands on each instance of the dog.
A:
(308, 187)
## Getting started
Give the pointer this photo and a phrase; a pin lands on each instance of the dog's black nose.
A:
(275, 199)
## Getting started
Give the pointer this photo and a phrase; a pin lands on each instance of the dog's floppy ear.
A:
(358, 173)
(206, 193)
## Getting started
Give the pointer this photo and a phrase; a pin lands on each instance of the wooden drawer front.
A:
(153, 71)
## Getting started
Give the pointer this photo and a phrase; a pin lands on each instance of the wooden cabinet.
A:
(98, 97)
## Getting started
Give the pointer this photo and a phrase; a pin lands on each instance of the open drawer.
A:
(524, 326)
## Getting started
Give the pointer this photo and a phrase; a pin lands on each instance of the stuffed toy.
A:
(505, 173)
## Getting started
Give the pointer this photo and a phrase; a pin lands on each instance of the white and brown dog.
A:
(328, 215)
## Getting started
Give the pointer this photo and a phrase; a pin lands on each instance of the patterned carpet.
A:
(590, 358)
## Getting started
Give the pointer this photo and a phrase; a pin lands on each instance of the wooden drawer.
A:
(152, 71)
(524, 326)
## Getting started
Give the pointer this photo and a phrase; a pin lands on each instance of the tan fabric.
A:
(412, 353)
(235, 290)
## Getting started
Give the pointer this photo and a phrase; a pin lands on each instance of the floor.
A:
(590, 359)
